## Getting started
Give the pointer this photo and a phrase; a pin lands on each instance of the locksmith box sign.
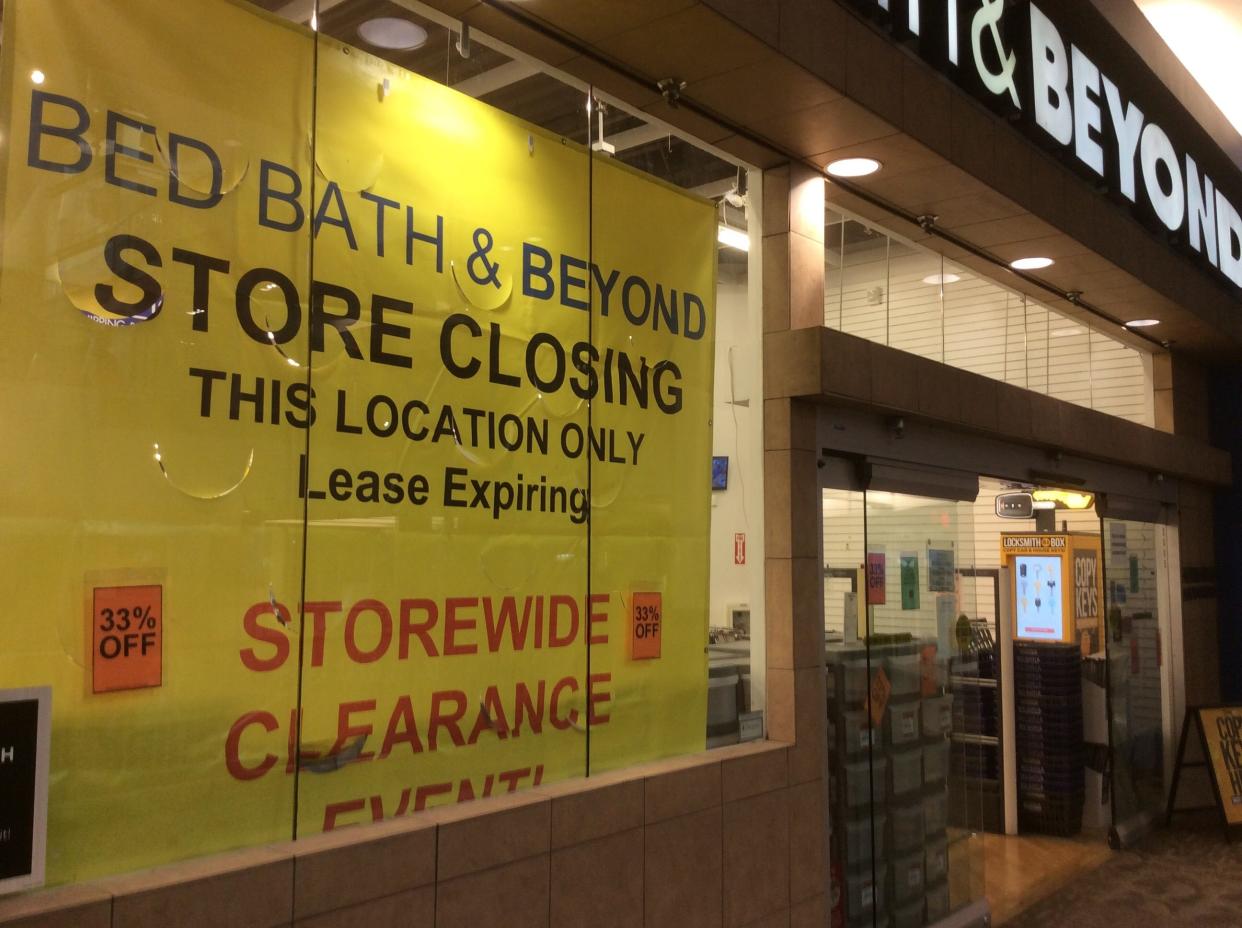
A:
(368, 490)
(24, 741)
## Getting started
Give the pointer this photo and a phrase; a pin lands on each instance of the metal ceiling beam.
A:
(640, 135)
(489, 81)
(300, 10)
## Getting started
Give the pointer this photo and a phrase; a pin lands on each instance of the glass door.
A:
(913, 704)
(1138, 682)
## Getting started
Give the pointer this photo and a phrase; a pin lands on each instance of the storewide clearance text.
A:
(370, 631)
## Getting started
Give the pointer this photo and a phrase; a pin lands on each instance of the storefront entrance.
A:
(999, 685)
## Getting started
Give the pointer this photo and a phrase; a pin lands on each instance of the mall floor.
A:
(1021, 871)
(1176, 878)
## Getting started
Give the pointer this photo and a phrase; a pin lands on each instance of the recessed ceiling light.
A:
(38, 77)
(1142, 323)
(853, 167)
(1031, 264)
(939, 280)
(732, 238)
(392, 33)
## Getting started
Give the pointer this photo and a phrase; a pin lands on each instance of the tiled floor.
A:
(1019, 871)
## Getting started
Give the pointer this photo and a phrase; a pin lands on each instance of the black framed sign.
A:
(25, 733)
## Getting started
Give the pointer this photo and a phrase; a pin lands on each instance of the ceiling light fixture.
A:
(853, 167)
(1031, 264)
(1142, 323)
(732, 238)
(391, 33)
(939, 280)
(38, 77)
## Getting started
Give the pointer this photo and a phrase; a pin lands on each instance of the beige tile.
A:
(779, 710)
(252, 888)
(757, 773)
(1013, 412)
(694, 43)
(599, 883)
(925, 105)
(595, 813)
(805, 525)
(679, 792)
(813, 34)
(776, 201)
(792, 363)
(777, 504)
(778, 612)
(872, 70)
(415, 908)
(756, 858)
(840, 373)
(982, 409)
(81, 906)
(939, 391)
(776, 920)
(808, 756)
(682, 872)
(776, 292)
(514, 895)
(806, 288)
(350, 866)
(808, 597)
(810, 913)
(1046, 420)
(758, 18)
(973, 141)
(894, 378)
(808, 840)
(806, 204)
(490, 840)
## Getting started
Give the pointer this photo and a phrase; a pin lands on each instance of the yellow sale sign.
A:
(397, 400)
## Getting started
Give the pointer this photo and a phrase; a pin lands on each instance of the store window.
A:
(382, 423)
(887, 290)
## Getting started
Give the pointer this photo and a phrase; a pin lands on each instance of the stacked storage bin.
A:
(903, 737)
(857, 759)
(1051, 760)
(937, 721)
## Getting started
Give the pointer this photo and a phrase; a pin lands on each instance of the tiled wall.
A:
(725, 838)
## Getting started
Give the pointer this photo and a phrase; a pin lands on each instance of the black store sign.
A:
(23, 782)
(1025, 65)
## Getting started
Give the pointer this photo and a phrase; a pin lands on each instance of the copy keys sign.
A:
(128, 626)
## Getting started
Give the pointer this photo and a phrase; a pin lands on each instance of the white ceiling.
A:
(1207, 36)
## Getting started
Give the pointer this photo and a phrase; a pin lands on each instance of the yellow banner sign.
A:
(402, 405)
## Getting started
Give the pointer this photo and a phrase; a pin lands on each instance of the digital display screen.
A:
(1038, 595)
(720, 472)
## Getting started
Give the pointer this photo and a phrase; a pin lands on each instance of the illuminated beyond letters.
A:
(1079, 107)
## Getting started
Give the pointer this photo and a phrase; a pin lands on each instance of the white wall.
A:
(738, 434)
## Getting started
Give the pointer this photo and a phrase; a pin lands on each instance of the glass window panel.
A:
(1069, 360)
(151, 530)
(915, 315)
(976, 322)
(1121, 382)
(1134, 577)
(834, 263)
(864, 282)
